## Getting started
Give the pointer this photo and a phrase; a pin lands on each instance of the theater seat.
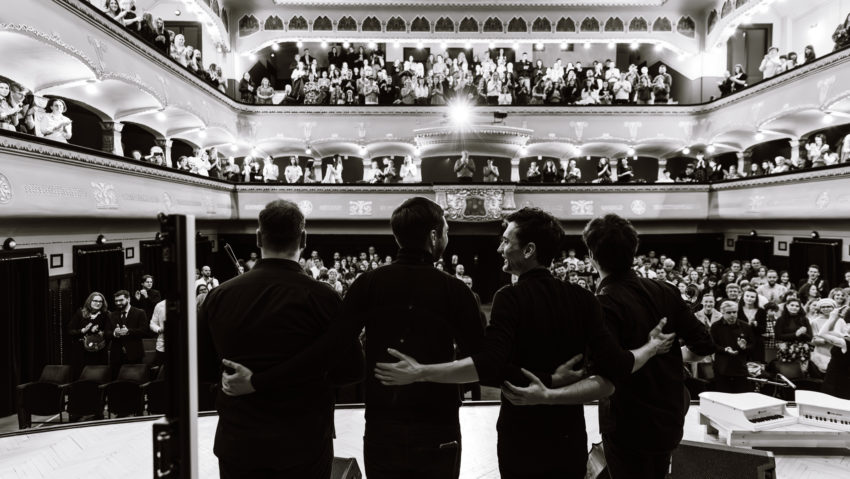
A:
(124, 396)
(44, 397)
(156, 393)
(85, 396)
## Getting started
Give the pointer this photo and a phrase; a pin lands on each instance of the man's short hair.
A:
(733, 286)
(726, 303)
(413, 221)
(121, 292)
(613, 242)
(541, 228)
(815, 267)
(281, 225)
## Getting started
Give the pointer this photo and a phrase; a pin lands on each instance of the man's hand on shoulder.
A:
(238, 383)
(566, 373)
(658, 340)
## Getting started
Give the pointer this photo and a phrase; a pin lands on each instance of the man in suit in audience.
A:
(128, 326)
(259, 320)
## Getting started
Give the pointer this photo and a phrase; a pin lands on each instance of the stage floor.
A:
(124, 450)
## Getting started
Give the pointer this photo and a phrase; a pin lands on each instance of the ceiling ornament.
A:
(52, 39)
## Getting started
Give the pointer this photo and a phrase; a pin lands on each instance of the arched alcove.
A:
(136, 137)
(352, 167)
(86, 129)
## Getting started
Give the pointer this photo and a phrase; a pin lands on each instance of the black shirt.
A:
(414, 308)
(727, 335)
(260, 319)
(538, 324)
(647, 410)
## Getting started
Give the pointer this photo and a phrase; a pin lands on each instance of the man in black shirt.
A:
(537, 324)
(734, 339)
(411, 431)
(260, 319)
(642, 422)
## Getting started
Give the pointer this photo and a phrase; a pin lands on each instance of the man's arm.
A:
(689, 329)
(589, 389)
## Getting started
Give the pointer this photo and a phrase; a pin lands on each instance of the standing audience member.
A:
(246, 89)
(157, 325)
(207, 279)
(146, 298)
(87, 330)
(464, 168)
(55, 125)
(734, 339)
(127, 327)
(836, 332)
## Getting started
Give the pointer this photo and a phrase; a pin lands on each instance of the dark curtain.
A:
(24, 347)
(151, 259)
(823, 252)
(98, 268)
(749, 247)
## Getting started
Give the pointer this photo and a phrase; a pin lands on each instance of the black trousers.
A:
(732, 384)
(411, 450)
(624, 463)
(532, 456)
(318, 468)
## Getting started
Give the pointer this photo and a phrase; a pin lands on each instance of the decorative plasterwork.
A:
(773, 180)
(475, 3)
(214, 22)
(320, 188)
(63, 155)
(472, 204)
(54, 41)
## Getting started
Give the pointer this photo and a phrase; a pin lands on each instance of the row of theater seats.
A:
(134, 392)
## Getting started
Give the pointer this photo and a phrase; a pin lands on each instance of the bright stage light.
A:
(460, 112)
(299, 44)
(275, 47)
(587, 46)
(828, 118)
(711, 149)
(346, 45)
(324, 44)
(630, 152)
(759, 136)
(686, 151)
(634, 45)
(659, 47)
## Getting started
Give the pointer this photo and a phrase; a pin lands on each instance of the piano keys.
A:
(823, 410)
(746, 411)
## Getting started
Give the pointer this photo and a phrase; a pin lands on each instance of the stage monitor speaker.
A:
(697, 460)
(345, 468)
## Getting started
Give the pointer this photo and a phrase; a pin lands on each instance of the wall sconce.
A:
(753, 233)
(10, 244)
(100, 239)
(815, 235)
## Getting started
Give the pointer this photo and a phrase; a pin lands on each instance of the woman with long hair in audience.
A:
(178, 49)
(810, 295)
(113, 9)
(161, 38)
(822, 310)
(750, 313)
(54, 124)
(836, 333)
(87, 330)
(816, 150)
(738, 78)
(839, 296)
(9, 108)
(792, 328)
(572, 174)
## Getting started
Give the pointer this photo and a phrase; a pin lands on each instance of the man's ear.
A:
(529, 250)
(259, 239)
(303, 243)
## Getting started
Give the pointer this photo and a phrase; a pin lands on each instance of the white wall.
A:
(816, 26)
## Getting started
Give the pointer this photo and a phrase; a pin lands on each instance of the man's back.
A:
(647, 410)
(414, 308)
(261, 319)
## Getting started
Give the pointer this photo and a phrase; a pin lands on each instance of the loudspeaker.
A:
(345, 468)
(697, 460)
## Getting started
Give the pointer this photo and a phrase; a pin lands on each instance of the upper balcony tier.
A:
(67, 49)
(91, 184)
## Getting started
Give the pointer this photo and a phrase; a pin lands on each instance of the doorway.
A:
(747, 47)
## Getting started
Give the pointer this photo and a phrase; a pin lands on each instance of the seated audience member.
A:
(55, 125)
(734, 340)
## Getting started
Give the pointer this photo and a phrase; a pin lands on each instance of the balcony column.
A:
(742, 164)
(112, 137)
(367, 166)
(515, 170)
(417, 162)
(614, 165)
(165, 144)
(795, 152)
(662, 165)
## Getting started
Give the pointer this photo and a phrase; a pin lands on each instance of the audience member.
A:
(734, 339)
(127, 326)
(87, 331)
